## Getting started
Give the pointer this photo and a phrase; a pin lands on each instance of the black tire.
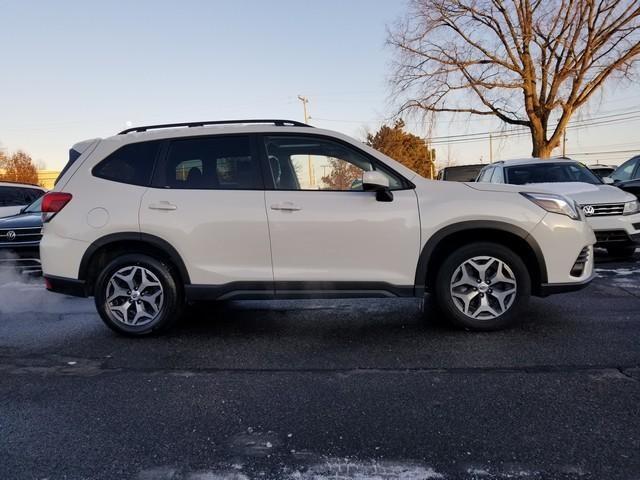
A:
(625, 252)
(444, 298)
(172, 296)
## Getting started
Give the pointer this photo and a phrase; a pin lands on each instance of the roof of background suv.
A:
(5, 183)
(532, 160)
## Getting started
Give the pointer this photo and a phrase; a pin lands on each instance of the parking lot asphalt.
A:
(348, 389)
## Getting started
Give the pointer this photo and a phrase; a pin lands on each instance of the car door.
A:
(207, 201)
(627, 176)
(327, 233)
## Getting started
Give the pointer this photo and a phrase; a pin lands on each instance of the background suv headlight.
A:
(631, 207)
(555, 204)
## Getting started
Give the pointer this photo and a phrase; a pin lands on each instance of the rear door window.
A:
(132, 164)
(210, 163)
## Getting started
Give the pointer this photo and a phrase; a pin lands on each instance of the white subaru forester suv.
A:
(158, 216)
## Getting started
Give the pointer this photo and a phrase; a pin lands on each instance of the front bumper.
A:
(611, 238)
(547, 289)
(616, 230)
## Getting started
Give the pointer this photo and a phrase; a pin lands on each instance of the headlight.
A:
(555, 204)
(631, 207)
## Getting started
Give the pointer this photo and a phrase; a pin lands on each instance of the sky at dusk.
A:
(73, 70)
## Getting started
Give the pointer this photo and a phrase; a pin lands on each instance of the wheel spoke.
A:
(501, 277)
(463, 276)
(485, 308)
(151, 300)
(502, 295)
(140, 313)
(128, 278)
(123, 309)
(465, 298)
(147, 281)
(481, 268)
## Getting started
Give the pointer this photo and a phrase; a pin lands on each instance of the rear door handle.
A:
(163, 206)
(285, 206)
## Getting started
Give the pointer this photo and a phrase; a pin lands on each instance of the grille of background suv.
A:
(22, 235)
(606, 209)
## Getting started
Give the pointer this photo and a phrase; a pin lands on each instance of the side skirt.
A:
(293, 290)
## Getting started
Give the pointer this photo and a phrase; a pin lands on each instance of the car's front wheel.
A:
(137, 295)
(482, 286)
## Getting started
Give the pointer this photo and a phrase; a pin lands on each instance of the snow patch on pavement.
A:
(372, 470)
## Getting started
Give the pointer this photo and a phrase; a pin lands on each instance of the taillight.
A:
(52, 203)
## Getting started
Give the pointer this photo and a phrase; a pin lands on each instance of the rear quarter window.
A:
(132, 164)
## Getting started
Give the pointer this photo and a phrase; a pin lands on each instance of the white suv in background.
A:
(161, 215)
(613, 214)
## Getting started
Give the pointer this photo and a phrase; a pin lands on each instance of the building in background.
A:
(46, 178)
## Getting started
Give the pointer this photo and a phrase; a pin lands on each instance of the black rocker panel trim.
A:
(292, 290)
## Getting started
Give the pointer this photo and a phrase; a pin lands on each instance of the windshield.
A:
(35, 207)
(551, 172)
(466, 173)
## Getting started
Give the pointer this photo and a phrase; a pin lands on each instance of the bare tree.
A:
(521, 61)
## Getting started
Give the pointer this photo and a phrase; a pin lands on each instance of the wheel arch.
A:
(449, 238)
(108, 247)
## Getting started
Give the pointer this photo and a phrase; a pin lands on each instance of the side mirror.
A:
(377, 182)
(608, 180)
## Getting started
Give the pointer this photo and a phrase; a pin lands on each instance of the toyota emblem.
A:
(588, 210)
(11, 235)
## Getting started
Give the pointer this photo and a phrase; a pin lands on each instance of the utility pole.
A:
(305, 102)
(564, 143)
(490, 148)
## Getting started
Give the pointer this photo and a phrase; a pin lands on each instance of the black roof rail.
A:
(278, 123)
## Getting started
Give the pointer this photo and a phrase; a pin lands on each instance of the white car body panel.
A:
(218, 245)
(344, 236)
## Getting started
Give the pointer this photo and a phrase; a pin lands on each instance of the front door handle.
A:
(285, 206)
(163, 206)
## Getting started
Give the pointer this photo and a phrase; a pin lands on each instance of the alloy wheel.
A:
(483, 287)
(134, 296)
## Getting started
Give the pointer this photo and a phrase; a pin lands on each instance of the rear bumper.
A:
(66, 286)
(547, 289)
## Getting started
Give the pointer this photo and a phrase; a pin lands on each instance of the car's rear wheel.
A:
(625, 252)
(137, 295)
(482, 286)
